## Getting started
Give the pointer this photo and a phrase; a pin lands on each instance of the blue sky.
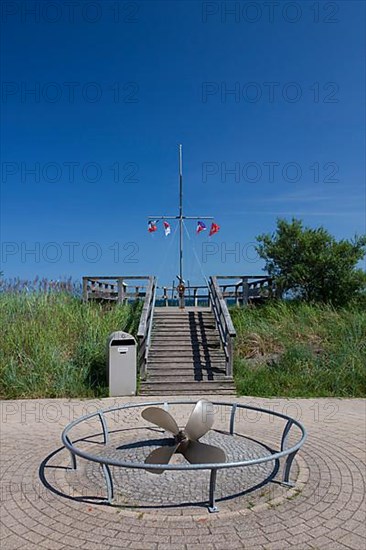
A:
(277, 98)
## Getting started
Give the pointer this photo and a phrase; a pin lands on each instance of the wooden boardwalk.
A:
(183, 351)
(185, 356)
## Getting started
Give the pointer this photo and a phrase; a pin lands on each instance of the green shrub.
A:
(54, 345)
(311, 264)
(300, 350)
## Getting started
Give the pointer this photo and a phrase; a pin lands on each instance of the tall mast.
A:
(180, 215)
(180, 218)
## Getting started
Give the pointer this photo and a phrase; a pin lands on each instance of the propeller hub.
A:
(181, 436)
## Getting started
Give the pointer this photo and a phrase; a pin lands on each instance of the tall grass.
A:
(54, 345)
(300, 350)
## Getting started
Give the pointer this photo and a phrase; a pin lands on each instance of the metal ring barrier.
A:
(105, 462)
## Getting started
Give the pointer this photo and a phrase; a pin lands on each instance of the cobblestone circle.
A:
(47, 505)
(174, 488)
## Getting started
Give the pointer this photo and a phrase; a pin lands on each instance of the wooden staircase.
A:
(185, 354)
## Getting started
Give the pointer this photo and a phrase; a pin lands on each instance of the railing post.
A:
(245, 291)
(287, 470)
(120, 287)
(145, 325)
(109, 482)
(232, 417)
(212, 504)
(270, 287)
(223, 322)
(229, 365)
(85, 289)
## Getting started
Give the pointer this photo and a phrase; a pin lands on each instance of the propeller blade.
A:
(201, 420)
(201, 453)
(161, 455)
(161, 418)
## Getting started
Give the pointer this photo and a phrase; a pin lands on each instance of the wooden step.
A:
(157, 345)
(187, 388)
(183, 328)
(162, 363)
(185, 355)
(166, 361)
(193, 391)
(184, 331)
(166, 374)
(189, 339)
(175, 330)
(185, 378)
(204, 384)
(185, 359)
(186, 369)
(170, 370)
(171, 312)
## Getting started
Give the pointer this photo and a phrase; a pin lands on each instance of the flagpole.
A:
(180, 216)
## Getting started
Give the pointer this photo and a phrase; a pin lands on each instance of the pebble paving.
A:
(46, 504)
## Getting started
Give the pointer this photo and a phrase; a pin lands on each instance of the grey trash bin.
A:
(121, 364)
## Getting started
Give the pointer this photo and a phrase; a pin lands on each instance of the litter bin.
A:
(121, 364)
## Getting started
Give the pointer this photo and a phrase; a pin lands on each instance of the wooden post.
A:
(245, 290)
(165, 296)
(121, 293)
(85, 289)
(229, 366)
(270, 288)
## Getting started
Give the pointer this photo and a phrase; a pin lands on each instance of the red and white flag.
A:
(200, 227)
(167, 228)
(152, 226)
(214, 229)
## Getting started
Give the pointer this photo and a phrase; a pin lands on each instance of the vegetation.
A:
(54, 345)
(312, 265)
(294, 349)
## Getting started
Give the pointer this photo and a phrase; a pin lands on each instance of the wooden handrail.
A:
(242, 289)
(223, 322)
(113, 287)
(145, 326)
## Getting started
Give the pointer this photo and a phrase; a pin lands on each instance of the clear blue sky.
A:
(122, 89)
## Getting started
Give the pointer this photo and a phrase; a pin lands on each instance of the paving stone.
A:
(352, 540)
(327, 513)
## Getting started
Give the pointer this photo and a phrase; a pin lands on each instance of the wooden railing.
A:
(246, 288)
(194, 295)
(145, 326)
(223, 322)
(115, 288)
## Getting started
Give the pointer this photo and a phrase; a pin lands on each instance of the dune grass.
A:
(300, 350)
(54, 345)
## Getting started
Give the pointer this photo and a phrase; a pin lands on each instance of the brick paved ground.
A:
(47, 505)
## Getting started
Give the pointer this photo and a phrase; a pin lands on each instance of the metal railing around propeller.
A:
(106, 462)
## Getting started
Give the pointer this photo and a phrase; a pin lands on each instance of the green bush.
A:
(312, 265)
(54, 345)
(300, 350)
